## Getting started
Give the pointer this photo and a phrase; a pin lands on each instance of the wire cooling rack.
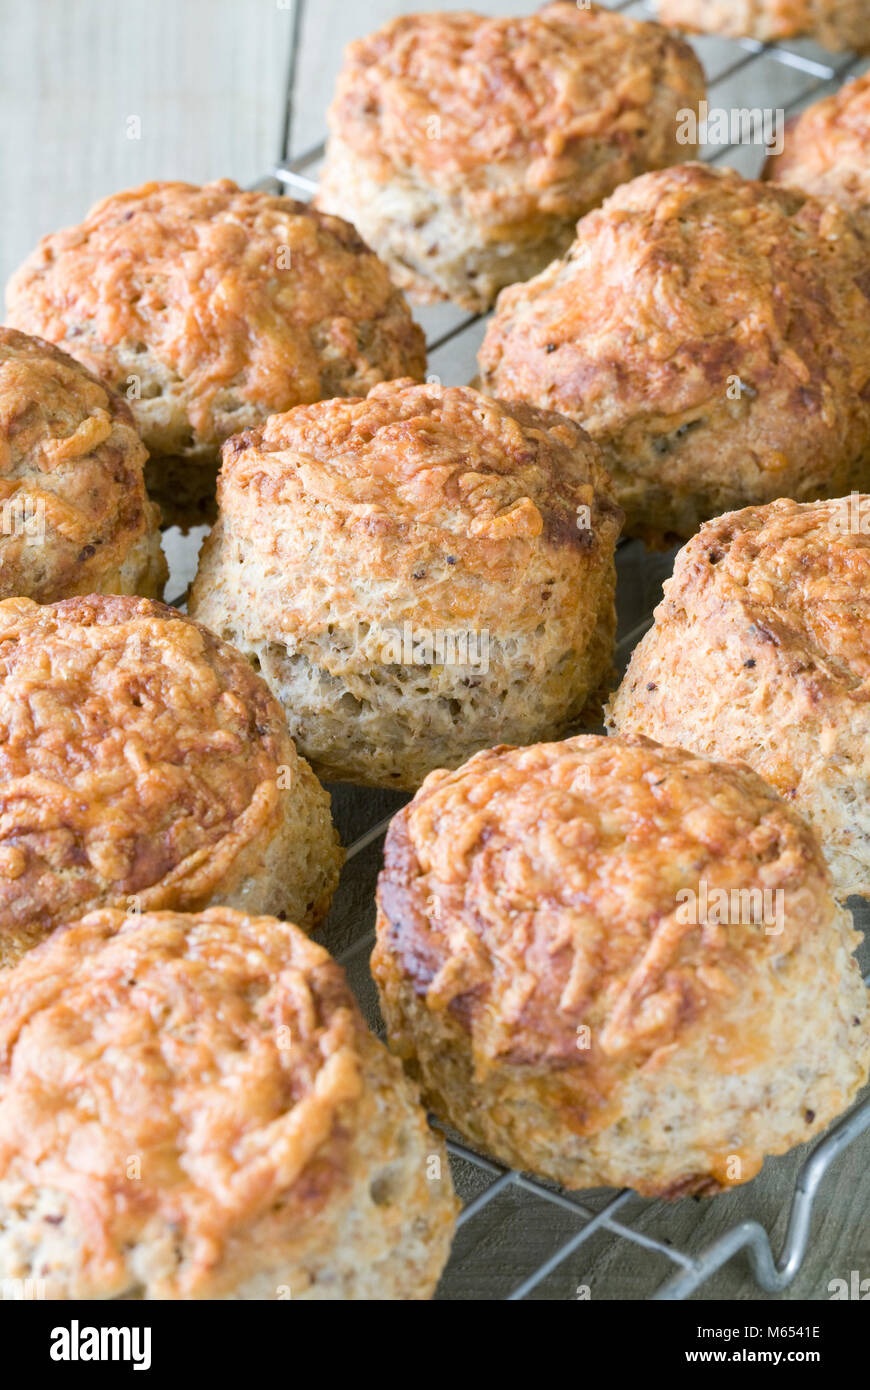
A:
(518, 1237)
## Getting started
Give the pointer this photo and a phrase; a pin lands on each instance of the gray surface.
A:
(207, 79)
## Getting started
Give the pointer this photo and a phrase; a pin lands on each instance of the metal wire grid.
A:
(773, 1272)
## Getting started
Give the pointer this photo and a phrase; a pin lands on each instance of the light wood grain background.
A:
(206, 81)
(205, 78)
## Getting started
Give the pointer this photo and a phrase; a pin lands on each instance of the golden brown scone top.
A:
(533, 88)
(684, 278)
(70, 467)
(138, 756)
(827, 148)
(222, 1052)
(797, 577)
(535, 889)
(242, 297)
(837, 24)
(410, 456)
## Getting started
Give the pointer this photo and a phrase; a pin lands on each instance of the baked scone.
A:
(144, 765)
(612, 963)
(836, 24)
(74, 514)
(211, 308)
(192, 1107)
(712, 334)
(416, 575)
(827, 149)
(464, 147)
(761, 652)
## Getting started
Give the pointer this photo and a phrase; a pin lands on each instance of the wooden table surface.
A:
(95, 97)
